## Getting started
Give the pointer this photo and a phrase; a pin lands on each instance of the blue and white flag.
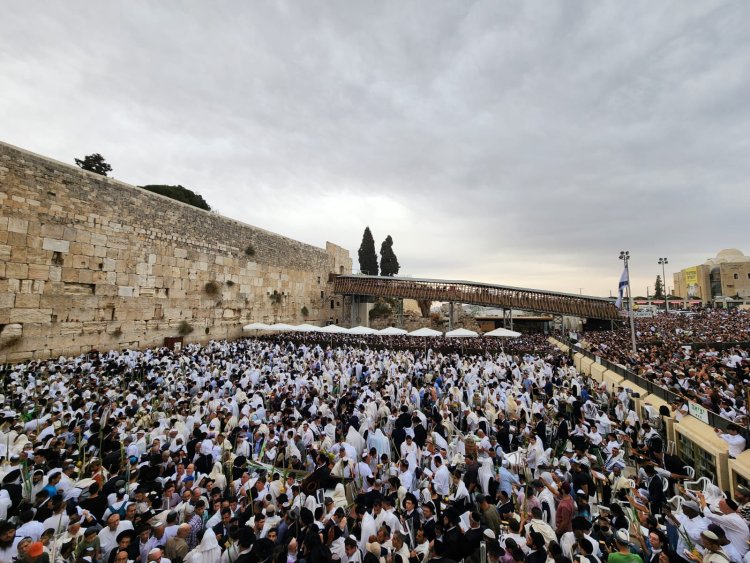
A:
(624, 280)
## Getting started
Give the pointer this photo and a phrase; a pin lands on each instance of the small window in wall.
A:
(321, 295)
(331, 303)
(736, 276)
(338, 303)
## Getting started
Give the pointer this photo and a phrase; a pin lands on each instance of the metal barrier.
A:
(715, 420)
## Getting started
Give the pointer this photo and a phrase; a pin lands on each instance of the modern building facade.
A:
(727, 275)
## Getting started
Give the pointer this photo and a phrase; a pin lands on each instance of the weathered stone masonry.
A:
(88, 262)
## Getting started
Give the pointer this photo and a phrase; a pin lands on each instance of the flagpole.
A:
(625, 257)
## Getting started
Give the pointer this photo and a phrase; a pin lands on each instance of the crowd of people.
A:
(703, 357)
(343, 449)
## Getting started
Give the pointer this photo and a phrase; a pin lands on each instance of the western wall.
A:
(89, 262)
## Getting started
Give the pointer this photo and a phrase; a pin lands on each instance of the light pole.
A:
(663, 262)
(625, 257)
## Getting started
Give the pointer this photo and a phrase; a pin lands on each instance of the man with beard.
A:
(8, 541)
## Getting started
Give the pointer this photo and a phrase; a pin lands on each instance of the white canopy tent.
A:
(503, 333)
(255, 326)
(362, 330)
(461, 333)
(281, 327)
(392, 331)
(426, 332)
(306, 328)
(333, 329)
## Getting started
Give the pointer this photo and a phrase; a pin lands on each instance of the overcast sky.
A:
(521, 143)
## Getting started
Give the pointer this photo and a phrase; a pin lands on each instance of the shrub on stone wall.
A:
(304, 311)
(250, 251)
(184, 328)
(380, 309)
(276, 297)
(230, 283)
(211, 288)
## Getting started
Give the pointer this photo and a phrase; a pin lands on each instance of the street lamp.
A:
(625, 257)
(662, 263)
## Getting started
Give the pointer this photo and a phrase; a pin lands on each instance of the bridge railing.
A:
(477, 294)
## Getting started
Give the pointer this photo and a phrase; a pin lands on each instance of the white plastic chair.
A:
(690, 471)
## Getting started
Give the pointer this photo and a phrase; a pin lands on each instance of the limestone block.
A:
(30, 315)
(142, 268)
(27, 301)
(100, 251)
(85, 276)
(125, 291)
(98, 276)
(5, 252)
(16, 239)
(81, 261)
(105, 290)
(38, 272)
(10, 330)
(56, 245)
(111, 277)
(18, 225)
(55, 273)
(7, 300)
(69, 329)
(180, 253)
(69, 233)
(109, 265)
(51, 230)
(98, 239)
(83, 236)
(16, 271)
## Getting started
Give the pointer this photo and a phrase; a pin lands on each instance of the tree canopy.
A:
(389, 265)
(658, 288)
(368, 259)
(94, 163)
(180, 193)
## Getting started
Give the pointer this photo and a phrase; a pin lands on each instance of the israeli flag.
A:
(624, 280)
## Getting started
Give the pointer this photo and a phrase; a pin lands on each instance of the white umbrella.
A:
(333, 329)
(281, 327)
(255, 326)
(306, 328)
(503, 333)
(362, 330)
(461, 333)
(392, 331)
(425, 331)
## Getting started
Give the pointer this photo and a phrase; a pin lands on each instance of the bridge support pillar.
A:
(450, 316)
(400, 313)
(508, 318)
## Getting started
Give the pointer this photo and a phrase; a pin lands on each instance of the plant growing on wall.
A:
(230, 283)
(305, 312)
(94, 163)
(211, 288)
(276, 297)
(184, 328)
(250, 251)
(179, 193)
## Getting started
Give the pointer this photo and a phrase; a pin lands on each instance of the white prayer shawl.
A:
(208, 551)
(355, 439)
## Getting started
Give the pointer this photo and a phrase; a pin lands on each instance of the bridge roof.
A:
(478, 293)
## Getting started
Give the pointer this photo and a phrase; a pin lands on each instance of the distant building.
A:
(726, 275)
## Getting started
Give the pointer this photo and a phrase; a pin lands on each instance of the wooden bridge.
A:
(478, 294)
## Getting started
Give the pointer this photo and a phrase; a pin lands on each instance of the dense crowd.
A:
(692, 356)
(300, 450)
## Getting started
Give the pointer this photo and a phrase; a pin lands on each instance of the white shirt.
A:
(736, 444)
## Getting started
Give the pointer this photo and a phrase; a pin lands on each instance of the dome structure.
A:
(728, 255)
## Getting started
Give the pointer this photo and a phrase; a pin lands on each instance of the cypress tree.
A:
(389, 265)
(368, 259)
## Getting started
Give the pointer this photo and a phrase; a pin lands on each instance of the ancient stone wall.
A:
(88, 262)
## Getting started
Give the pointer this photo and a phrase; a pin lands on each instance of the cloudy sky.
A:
(522, 143)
